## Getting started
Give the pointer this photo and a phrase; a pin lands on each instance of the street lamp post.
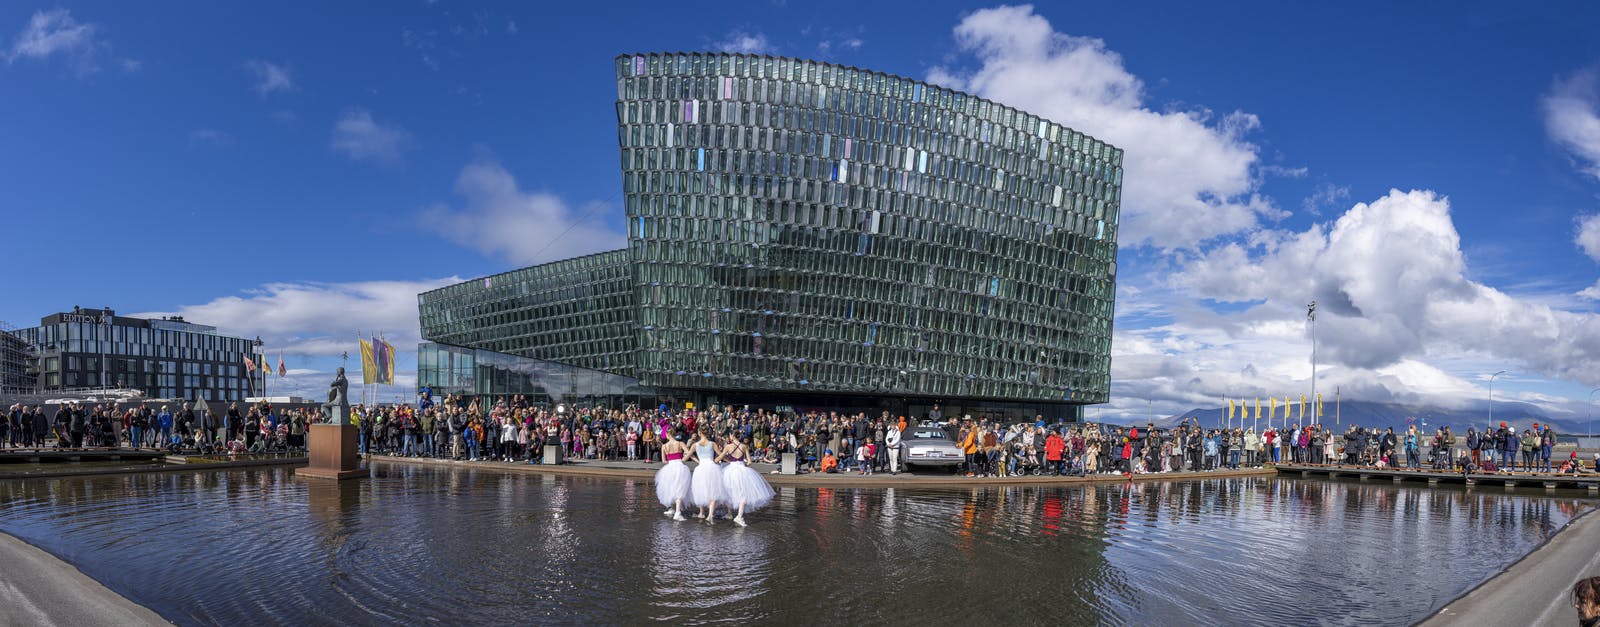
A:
(1311, 313)
(261, 366)
(1591, 409)
(1491, 396)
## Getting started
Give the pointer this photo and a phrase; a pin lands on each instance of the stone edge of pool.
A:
(1533, 590)
(817, 480)
(37, 588)
(168, 467)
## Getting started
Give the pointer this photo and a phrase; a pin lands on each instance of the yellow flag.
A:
(1258, 407)
(1272, 412)
(369, 367)
(1319, 404)
(1302, 407)
(1230, 409)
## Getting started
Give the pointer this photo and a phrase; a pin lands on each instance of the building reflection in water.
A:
(542, 548)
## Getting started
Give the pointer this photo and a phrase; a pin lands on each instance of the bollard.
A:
(552, 455)
(790, 465)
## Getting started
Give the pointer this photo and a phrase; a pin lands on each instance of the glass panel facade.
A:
(577, 311)
(457, 370)
(804, 228)
(812, 227)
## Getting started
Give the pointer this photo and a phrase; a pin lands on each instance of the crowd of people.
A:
(517, 429)
(258, 428)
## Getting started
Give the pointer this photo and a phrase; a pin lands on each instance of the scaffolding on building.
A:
(19, 366)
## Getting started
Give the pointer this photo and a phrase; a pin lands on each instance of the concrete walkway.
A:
(1537, 590)
(919, 479)
(36, 589)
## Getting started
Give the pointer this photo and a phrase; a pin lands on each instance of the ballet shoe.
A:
(739, 520)
(678, 517)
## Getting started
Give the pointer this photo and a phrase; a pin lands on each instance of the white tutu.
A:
(743, 483)
(672, 482)
(708, 484)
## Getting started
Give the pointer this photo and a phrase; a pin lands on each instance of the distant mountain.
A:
(1370, 414)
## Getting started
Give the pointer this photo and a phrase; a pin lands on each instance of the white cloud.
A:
(523, 228)
(57, 33)
(1189, 176)
(270, 77)
(361, 138)
(1572, 118)
(316, 319)
(210, 136)
(1391, 285)
(1325, 196)
(1587, 235)
(746, 42)
(511, 27)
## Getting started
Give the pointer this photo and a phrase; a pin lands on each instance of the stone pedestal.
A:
(790, 465)
(552, 455)
(333, 453)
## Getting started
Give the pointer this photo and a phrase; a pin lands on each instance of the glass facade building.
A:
(167, 358)
(800, 230)
(476, 372)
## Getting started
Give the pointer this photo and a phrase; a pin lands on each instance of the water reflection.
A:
(458, 545)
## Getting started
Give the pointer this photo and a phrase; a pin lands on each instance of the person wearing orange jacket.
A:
(1053, 445)
(829, 462)
(969, 446)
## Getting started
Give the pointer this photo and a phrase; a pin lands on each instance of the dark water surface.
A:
(429, 544)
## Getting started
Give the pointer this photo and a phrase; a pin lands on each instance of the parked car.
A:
(930, 446)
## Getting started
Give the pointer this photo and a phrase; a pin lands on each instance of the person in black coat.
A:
(41, 426)
(77, 426)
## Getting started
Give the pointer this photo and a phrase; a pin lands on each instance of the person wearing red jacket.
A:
(1052, 452)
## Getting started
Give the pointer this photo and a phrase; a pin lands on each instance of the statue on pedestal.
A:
(338, 405)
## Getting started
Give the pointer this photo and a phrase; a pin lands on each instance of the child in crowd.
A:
(829, 462)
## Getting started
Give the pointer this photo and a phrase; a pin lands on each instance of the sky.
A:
(1429, 173)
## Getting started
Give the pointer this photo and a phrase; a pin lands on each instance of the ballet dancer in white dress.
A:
(746, 488)
(672, 481)
(707, 485)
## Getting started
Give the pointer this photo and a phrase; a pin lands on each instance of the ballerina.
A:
(707, 485)
(744, 485)
(672, 481)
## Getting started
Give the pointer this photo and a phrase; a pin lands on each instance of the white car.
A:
(929, 446)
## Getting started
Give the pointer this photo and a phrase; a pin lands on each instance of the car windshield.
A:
(930, 434)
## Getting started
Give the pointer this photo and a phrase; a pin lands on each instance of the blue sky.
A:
(299, 170)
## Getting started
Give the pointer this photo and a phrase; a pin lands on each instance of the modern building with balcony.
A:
(809, 235)
(165, 358)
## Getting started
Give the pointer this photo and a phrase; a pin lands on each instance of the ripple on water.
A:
(464, 545)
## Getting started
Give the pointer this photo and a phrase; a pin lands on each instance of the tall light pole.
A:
(1491, 396)
(1311, 313)
(1591, 410)
(261, 365)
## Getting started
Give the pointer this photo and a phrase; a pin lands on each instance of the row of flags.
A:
(1289, 407)
(250, 366)
(377, 361)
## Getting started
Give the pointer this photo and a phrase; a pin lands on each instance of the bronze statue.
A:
(338, 391)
